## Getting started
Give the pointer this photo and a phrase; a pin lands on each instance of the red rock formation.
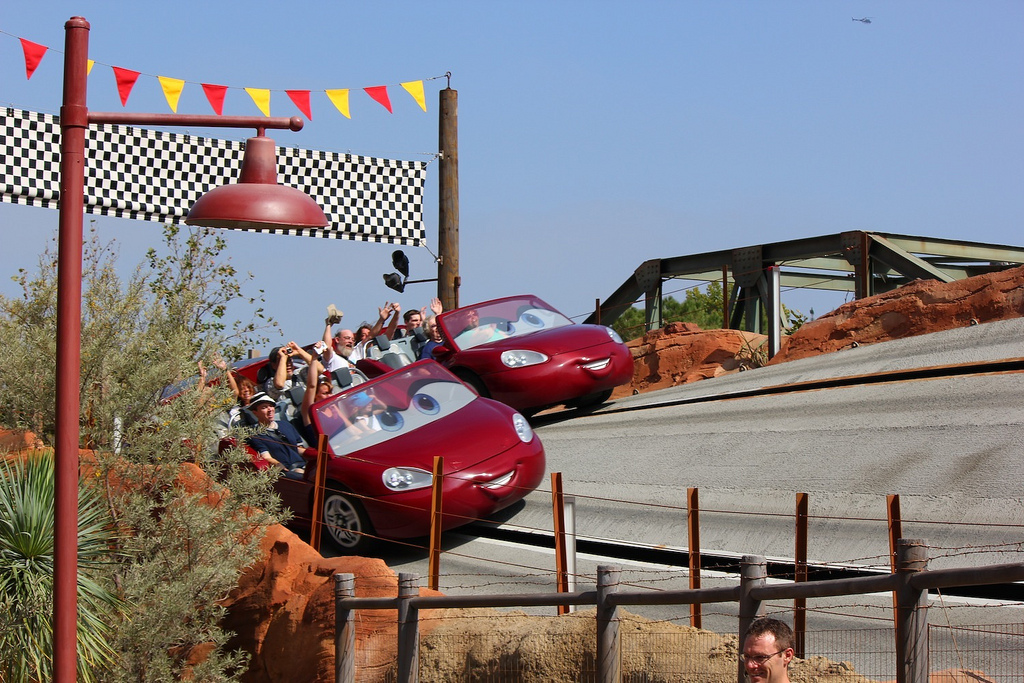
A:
(920, 307)
(18, 442)
(682, 352)
(282, 612)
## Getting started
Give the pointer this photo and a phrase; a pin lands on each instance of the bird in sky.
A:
(863, 20)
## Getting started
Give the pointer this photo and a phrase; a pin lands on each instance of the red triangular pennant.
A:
(301, 100)
(215, 96)
(33, 55)
(125, 82)
(380, 94)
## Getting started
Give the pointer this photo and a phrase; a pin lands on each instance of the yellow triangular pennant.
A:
(261, 96)
(172, 90)
(88, 66)
(415, 89)
(340, 100)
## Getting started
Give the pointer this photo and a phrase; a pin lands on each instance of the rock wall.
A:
(682, 352)
(282, 612)
(920, 307)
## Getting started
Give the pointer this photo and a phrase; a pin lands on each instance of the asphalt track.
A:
(950, 447)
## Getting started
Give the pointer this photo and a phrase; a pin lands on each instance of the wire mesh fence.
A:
(990, 653)
(678, 656)
(853, 655)
(551, 653)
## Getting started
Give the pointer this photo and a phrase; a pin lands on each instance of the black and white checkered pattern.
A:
(156, 176)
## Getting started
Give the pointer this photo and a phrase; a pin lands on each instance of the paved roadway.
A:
(950, 447)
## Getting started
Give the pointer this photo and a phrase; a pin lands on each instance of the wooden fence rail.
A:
(910, 583)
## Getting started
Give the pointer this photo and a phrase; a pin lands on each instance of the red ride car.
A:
(382, 439)
(524, 353)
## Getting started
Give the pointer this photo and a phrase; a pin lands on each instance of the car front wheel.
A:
(346, 524)
(473, 380)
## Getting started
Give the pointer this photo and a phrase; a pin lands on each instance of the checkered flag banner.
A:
(156, 176)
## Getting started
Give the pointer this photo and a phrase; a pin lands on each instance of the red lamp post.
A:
(256, 201)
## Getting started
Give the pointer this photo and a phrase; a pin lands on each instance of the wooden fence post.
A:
(753, 574)
(895, 521)
(408, 629)
(344, 630)
(608, 664)
(800, 574)
(435, 522)
(316, 524)
(693, 554)
(558, 515)
(911, 614)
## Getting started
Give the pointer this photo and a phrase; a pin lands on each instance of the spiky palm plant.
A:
(26, 573)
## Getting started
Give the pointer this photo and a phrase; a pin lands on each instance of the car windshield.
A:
(399, 403)
(500, 319)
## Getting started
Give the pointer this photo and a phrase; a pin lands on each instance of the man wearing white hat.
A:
(280, 445)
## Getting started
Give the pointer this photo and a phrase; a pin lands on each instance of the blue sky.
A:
(592, 135)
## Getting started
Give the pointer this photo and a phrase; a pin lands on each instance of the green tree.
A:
(187, 536)
(702, 307)
(192, 537)
(138, 334)
(195, 285)
(26, 574)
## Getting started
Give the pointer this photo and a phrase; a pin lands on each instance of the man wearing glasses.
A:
(767, 651)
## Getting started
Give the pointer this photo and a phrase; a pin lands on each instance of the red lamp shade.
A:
(257, 201)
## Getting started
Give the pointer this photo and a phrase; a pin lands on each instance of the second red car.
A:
(524, 353)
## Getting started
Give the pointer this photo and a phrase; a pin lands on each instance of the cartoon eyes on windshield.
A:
(532, 320)
(391, 420)
(426, 404)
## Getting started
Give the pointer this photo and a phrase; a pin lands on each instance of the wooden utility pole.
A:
(448, 200)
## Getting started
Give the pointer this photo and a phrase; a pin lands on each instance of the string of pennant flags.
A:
(215, 94)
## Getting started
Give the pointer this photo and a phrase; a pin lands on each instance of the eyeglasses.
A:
(760, 659)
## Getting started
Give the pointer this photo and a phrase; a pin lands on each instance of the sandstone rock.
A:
(18, 441)
(920, 307)
(682, 352)
(282, 613)
(284, 606)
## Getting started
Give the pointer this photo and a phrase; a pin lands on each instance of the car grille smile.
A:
(597, 364)
(499, 482)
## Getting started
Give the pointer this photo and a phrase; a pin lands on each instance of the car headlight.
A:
(614, 335)
(523, 428)
(406, 478)
(520, 359)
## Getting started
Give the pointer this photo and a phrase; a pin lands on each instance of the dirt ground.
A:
(487, 645)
